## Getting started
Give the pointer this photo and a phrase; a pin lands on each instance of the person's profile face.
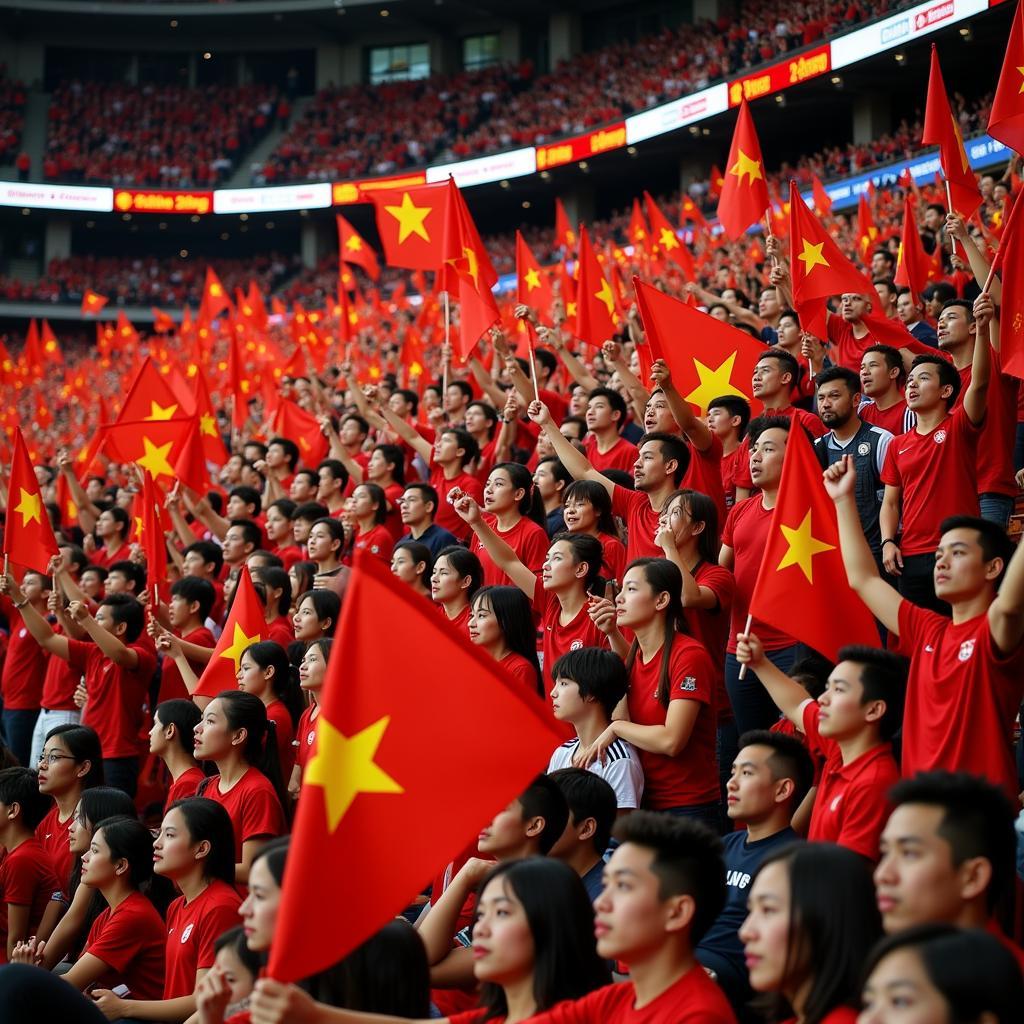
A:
(899, 991)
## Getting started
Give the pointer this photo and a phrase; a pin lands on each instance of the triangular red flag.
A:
(912, 263)
(1006, 121)
(744, 197)
(28, 535)
(294, 423)
(595, 302)
(353, 248)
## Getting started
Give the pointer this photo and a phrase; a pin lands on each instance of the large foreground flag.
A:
(1006, 122)
(28, 535)
(384, 802)
(1009, 264)
(801, 587)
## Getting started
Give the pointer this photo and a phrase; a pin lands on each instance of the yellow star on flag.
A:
(604, 293)
(354, 242)
(746, 166)
(344, 767)
(1021, 70)
(30, 507)
(159, 412)
(713, 382)
(410, 218)
(207, 424)
(811, 256)
(155, 458)
(803, 546)
(239, 642)
(570, 309)
(215, 290)
(532, 278)
(668, 239)
(472, 266)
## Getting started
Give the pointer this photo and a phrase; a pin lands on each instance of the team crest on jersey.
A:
(576, 645)
(186, 933)
(940, 436)
(966, 650)
(689, 684)
(863, 448)
(835, 803)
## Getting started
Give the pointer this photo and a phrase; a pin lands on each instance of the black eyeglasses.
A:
(54, 758)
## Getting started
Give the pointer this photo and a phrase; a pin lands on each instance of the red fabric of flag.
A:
(411, 225)
(28, 535)
(533, 286)
(1006, 120)
(744, 196)
(294, 423)
(595, 303)
(353, 248)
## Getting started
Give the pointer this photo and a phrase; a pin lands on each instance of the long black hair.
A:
(184, 715)
(530, 504)
(511, 608)
(130, 840)
(662, 576)
(597, 495)
(831, 928)
(246, 711)
(83, 744)
(284, 683)
(207, 820)
(585, 548)
(701, 509)
(465, 563)
(326, 604)
(561, 920)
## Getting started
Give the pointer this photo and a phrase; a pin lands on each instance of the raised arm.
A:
(339, 451)
(204, 512)
(117, 652)
(789, 696)
(34, 622)
(575, 461)
(1006, 613)
(504, 556)
(613, 353)
(975, 398)
(882, 600)
(693, 426)
(957, 228)
(407, 433)
(88, 513)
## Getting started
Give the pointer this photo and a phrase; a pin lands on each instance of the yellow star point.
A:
(344, 767)
(410, 218)
(239, 642)
(713, 383)
(30, 507)
(1021, 70)
(155, 458)
(570, 309)
(745, 166)
(472, 266)
(208, 425)
(668, 239)
(811, 256)
(532, 278)
(604, 293)
(159, 412)
(355, 243)
(803, 546)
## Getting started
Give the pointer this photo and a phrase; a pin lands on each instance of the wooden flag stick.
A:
(533, 360)
(768, 230)
(949, 204)
(447, 342)
(746, 629)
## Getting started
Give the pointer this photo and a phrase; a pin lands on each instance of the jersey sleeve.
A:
(626, 777)
(117, 943)
(215, 922)
(890, 470)
(623, 499)
(691, 675)
(261, 816)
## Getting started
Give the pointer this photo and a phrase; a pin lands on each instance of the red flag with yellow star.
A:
(533, 286)
(1009, 264)
(28, 535)
(150, 396)
(463, 248)
(375, 779)
(93, 302)
(190, 466)
(564, 234)
(411, 223)
(708, 358)
(638, 232)
(353, 248)
(215, 297)
(153, 444)
(667, 242)
(162, 322)
(913, 267)
(1006, 121)
(294, 423)
(867, 232)
(153, 539)
(595, 302)
(802, 587)
(213, 444)
(941, 129)
(744, 195)
(245, 626)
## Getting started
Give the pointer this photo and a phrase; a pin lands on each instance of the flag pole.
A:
(533, 361)
(447, 334)
(746, 629)
(949, 204)
(768, 229)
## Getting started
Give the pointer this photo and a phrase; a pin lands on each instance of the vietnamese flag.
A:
(32, 354)
(153, 444)
(411, 225)
(1006, 120)
(461, 241)
(744, 196)
(1009, 264)
(637, 231)
(245, 626)
(941, 129)
(190, 466)
(28, 535)
(375, 779)
(294, 423)
(215, 297)
(564, 234)
(801, 587)
(595, 303)
(353, 248)
(690, 212)
(162, 322)
(913, 267)
(866, 230)
(533, 287)
(822, 200)
(93, 302)
(153, 539)
(238, 384)
(213, 444)
(150, 396)
(667, 241)
(478, 310)
(716, 180)
(708, 358)
(126, 335)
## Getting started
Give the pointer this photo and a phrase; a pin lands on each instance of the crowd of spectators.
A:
(12, 116)
(172, 136)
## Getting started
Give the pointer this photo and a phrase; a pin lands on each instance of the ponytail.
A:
(586, 549)
(246, 711)
(284, 683)
(531, 504)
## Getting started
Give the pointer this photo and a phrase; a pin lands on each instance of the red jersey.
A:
(850, 808)
(558, 639)
(130, 941)
(520, 670)
(305, 734)
(101, 556)
(461, 621)
(115, 695)
(528, 540)
(693, 999)
(184, 786)
(937, 473)
(704, 474)
(690, 778)
(840, 1015)
(897, 419)
(172, 686)
(641, 523)
(281, 631)
(805, 419)
(746, 532)
(445, 515)
(252, 805)
(622, 455)
(27, 879)
(962, 697)
(613, 552)
(59, 682)
(284, 730)
(710, 626)
(998, 432)
(54, 836)
(289, 555)
(24, 666)
(394, 492)
(377, 541)
(730, 466)
(192, 929)
(486, 460)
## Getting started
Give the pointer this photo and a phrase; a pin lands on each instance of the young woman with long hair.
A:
(312, 672)
(278, 528)
(265, 670)
(413, 564)
(316, 615)
(172, 739)
(455, 578)
(501, 623)
(369, 513)
(587, 508)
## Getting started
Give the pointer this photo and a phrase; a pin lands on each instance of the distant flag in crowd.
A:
(411, 223)
(28, 538)
(93, 302)
(744, 194)
(533, 286)
(353, 248)
(595, 303)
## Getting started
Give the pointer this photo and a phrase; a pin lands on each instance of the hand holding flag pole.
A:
(770, 236)
(949, 204)
(746, 631)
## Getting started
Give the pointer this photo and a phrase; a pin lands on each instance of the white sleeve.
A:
(626, 777)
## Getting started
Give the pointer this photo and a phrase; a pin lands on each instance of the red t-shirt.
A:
(192, 929)
(622, 455)
(252, 805)
(962, 697)
(641, 523)
(289, 555)
(613, 552)
(394, 492)
(461, 621)
(184, 786)
(528, 540)
(281, 631)
(730, 466)
(558, 639)
(445, 515)
(998, 432)
(24, 666)
(791, 412)
(130, 941)
(840, 1015)
(54, 836)
(710, 626)
(937, 472)
(690, 778)
(693, 999)
(101, 557)
(844, 348)
(520, 670)
(305, 734)
(850, 808)
(27, 879)
(746, 532)
(115, 695)
(172, 686)
(59, 682)
(377, 541)
(897, 419)
(284, 729)
(705, 474)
